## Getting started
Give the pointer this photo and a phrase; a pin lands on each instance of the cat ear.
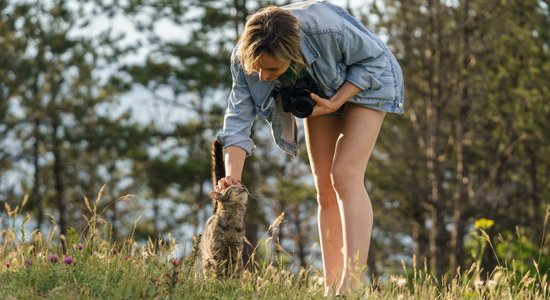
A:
(215, 195)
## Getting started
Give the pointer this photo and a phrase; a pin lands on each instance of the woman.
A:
(358, 81)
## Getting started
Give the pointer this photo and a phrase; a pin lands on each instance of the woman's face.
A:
(269, 67)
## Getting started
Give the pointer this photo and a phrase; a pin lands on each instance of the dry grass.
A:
(91, 267)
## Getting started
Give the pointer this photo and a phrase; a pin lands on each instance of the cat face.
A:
(237, 194)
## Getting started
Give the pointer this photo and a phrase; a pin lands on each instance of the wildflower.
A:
(80, 246)
(175, 262)
(288, 282)
(28, 262)
(69, 260)
(478, 283)
(101, 256)
(259, 282)
(318, 280)
(53, 258)
(104, 245)
(484, 223)
(491, 283)
(401, 282)
(398, 280)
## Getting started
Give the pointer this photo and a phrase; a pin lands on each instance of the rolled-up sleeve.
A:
(240, 113)
(365, 58)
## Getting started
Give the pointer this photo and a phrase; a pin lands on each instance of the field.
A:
(86, 266)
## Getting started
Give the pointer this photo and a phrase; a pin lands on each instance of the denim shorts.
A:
(392, 79)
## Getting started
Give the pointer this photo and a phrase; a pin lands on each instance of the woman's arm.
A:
(238, 121)
(324, 106)
(234, 162)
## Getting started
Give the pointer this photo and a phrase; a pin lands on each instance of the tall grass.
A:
(86, 264)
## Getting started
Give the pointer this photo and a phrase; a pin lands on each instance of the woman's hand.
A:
(226, 182)
(323, 106)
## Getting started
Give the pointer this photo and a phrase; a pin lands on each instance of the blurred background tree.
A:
(472, 143)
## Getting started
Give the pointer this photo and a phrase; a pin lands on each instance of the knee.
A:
(326, 196)
(345, 177)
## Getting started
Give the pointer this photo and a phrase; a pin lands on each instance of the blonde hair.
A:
(271, 30)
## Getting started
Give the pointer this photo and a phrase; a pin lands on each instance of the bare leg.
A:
(360, 130)
(321, 136)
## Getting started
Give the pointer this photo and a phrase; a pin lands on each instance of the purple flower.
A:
(53, 258)
(80, 246)
(176, 262)
(69, 260)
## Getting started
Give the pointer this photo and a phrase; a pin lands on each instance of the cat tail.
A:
(218, 167)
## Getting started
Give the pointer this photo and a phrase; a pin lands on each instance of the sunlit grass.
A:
(85, 265)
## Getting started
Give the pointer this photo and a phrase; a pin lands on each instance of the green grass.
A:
(93, 268)
(120, 276)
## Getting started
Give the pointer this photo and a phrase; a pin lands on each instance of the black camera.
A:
(296, 99)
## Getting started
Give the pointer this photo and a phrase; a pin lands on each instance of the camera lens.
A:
(302, 106)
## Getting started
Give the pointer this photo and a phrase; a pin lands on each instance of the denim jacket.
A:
(336, 48)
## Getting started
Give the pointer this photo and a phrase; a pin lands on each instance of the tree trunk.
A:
(156, 214)
(300, 237)
(36, 184)
(437, 74)
(420, 236)
(460, 196)
(240, 15)
(536, 211)
(371, 263)
(251, 234)
(437, 240)
(437, 206)
(114, 220)
(58, 176)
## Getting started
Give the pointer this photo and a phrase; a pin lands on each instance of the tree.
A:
(465, 129)
(56, 89)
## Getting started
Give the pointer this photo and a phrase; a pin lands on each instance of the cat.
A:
(221, 242)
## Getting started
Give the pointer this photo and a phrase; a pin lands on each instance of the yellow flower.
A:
(484, 223)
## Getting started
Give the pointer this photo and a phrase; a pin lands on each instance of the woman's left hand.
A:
(323, 106)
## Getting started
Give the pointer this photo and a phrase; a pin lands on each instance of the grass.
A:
(93, 268)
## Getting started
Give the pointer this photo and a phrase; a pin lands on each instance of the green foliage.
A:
(516, 253)
(55, 91)
(525, 256)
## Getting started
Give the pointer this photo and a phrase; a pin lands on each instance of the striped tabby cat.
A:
(221, 242)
